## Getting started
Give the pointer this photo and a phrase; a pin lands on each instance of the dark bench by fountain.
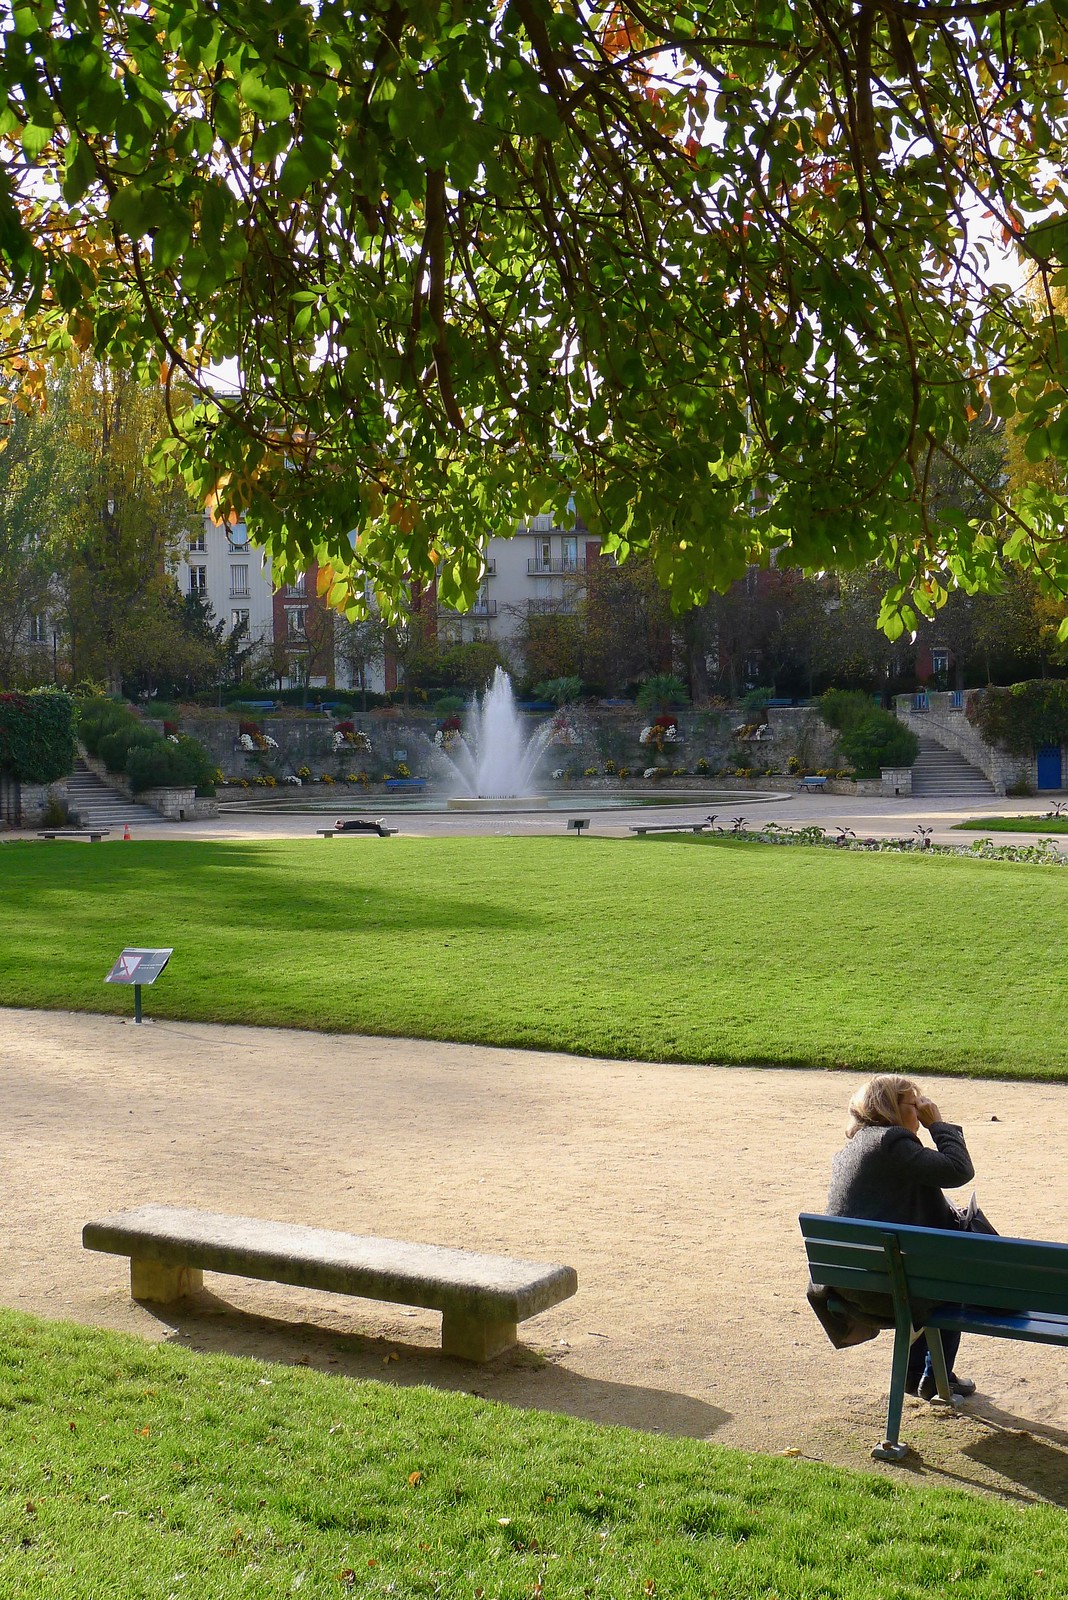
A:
(481, 1297)
(357, 825)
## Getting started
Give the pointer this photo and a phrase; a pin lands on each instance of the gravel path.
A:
(673, 1190)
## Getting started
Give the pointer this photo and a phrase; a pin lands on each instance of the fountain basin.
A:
(512, 802)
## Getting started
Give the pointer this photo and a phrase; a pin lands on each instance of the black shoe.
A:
(959, 1388)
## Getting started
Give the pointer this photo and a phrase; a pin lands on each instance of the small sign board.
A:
(139, 966)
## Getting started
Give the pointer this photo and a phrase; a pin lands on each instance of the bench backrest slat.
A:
(940, 1266)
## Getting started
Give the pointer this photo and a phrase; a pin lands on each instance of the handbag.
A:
(973, 1219)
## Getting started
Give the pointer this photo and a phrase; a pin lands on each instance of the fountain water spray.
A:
(494, 758)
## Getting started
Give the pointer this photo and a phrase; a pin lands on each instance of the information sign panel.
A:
(139, 966)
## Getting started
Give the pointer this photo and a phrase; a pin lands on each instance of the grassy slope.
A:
(138, 1470)
(680, 948)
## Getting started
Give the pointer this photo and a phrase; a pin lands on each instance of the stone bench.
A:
(669, 827)
(481, 1297)
(94, 835)
(356, 825)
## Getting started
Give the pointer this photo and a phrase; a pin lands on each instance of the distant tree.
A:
(626, 624)
(31, 494)
(359, 646)
(121, 528)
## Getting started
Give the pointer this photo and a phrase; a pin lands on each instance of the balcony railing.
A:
(481, 608)
(239, 594)
(566, 565)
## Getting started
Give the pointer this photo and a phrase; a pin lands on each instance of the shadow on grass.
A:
(523, 1377)
(251, 885)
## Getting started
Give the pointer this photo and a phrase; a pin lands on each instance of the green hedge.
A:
(37, 735)
(1023, 716)
(878, 740)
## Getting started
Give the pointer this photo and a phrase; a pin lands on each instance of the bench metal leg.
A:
(473, 1338)
(152, 1280)
(891, 1448)
(938, 1364)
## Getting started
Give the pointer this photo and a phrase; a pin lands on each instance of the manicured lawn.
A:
(139, 1470)
(1048, 825)
(680, 948)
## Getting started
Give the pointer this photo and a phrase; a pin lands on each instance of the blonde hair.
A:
(877, 1103)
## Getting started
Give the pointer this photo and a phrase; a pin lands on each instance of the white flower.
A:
(671, 734)
(172, 738)
(339, 740)
(269, 743)
(645, 735)
(650, 772)
(558, 772)
(290, 778)
(246, 742)
(439, 737)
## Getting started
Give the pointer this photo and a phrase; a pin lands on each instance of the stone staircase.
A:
(941, 773)
(97, 806)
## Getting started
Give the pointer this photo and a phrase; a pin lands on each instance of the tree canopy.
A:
(719, 276)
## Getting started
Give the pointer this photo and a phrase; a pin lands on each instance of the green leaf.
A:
(270, 102)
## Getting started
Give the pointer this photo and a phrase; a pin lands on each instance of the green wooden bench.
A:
(978, 1283)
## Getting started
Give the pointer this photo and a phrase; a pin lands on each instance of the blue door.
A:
(1049, 766)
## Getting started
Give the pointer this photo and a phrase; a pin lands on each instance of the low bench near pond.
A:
(94, 835)
(356, 825)
(936, 1279)
(481, 1297)
(668, 827)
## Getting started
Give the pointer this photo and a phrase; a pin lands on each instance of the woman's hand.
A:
(927, 1111)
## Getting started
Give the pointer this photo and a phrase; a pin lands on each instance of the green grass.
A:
(1048, 825)
(148, 1472)
(684, 948)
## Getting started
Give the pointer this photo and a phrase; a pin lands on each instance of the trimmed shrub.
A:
(879, 740)
(155, 766)
(114, 748)
(843, 709)
(37, 735)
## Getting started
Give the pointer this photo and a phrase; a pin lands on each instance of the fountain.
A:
(493, 758)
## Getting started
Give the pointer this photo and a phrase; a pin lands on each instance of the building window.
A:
(297, 586)
(569, 555)
(198, 542)
(38, 629)
(237, 537)
(239, 619)
(198, 580)
(239, 581)
(546, 553)
(940, 663)
(294, 622)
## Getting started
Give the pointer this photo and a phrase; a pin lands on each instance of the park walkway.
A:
(661, 1184)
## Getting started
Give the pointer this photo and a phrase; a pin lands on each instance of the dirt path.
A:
(665, 1186)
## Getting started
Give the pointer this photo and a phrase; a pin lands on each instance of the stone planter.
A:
(896, 781)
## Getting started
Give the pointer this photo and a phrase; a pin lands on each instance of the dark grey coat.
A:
(887, 1175)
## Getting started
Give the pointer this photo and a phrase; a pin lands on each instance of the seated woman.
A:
(885, 1174)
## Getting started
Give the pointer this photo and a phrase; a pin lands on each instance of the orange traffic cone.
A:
(126, 830)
